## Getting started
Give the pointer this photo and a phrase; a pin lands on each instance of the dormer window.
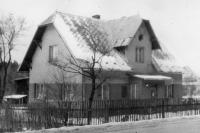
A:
(121, 49)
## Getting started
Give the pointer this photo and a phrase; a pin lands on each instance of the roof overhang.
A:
(14, 96)
(24, 78)
(152, 77)
(154, 40)
(25, 66)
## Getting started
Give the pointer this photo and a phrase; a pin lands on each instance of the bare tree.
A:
(63, 88)
(92, 36)
(59, 94)
(11, 29)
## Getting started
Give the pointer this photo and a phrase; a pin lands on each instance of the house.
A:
(147, 69)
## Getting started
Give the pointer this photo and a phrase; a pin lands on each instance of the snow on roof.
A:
(166, 59)
(125, 27)
(14, 96)
(120, 32)
(82, 51)
(152, 77)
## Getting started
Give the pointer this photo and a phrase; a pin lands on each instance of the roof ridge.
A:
(126, 17)
(80, 16)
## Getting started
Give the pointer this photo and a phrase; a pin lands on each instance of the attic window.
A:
(53, 53)
(121, 49)
(140, 37)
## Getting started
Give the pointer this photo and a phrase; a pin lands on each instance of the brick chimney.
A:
(96, 16)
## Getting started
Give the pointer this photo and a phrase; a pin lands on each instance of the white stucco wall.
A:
(42, 71)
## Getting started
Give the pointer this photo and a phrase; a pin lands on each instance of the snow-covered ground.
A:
(119, 126)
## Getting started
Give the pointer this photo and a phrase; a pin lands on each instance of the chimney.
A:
(96, 16)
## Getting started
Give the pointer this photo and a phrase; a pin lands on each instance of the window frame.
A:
(139, 54)
(53, 53)
(100, 93)
(67, 92)
(169, 91)
(135, 89)
(39, 91)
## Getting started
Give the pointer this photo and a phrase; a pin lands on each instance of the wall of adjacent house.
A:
(146, 44)
(42, 71)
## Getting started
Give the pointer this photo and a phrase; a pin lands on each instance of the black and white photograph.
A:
(100, 66)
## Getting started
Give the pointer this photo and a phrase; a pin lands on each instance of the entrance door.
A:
(134, 91)
(154, 92)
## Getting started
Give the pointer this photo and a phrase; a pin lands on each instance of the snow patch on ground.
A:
(115, 126)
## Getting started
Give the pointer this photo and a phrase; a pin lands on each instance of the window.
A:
(36, 90)
(124, 91)
(169, 91)
(134, 91)
(103, 92)
(139, 54)
(154, 91)
(53, 53)
(39, 91)
(67, 92)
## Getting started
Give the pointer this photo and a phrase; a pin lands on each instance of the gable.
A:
(43, 70)
(25, 66)
(121, 33)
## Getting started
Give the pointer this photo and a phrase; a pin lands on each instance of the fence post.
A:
(163, 108)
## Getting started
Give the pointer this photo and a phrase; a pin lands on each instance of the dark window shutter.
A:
(35, 89)
(165, 90)
(50, 53)
(172, 91)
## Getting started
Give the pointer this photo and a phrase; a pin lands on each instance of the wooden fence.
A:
(49, 115)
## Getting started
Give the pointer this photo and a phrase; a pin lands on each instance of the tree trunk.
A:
(3, 87)
(90, 102)
(0, 89)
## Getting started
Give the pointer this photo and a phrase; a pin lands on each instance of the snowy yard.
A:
(122, 126)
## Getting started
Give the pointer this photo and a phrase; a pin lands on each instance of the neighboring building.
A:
(22, 86)
(20, 89)
(146, 68)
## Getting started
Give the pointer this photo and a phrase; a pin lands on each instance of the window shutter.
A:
(35, 89)
(50, 53)
(165, 90)
(172, 91)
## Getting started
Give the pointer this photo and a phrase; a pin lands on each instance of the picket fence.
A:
(54, 115)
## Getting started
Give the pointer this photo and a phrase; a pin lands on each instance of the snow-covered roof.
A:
(119, 33)
(166, 59)
(152, 77)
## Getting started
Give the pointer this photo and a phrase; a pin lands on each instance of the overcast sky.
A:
(175, 21)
